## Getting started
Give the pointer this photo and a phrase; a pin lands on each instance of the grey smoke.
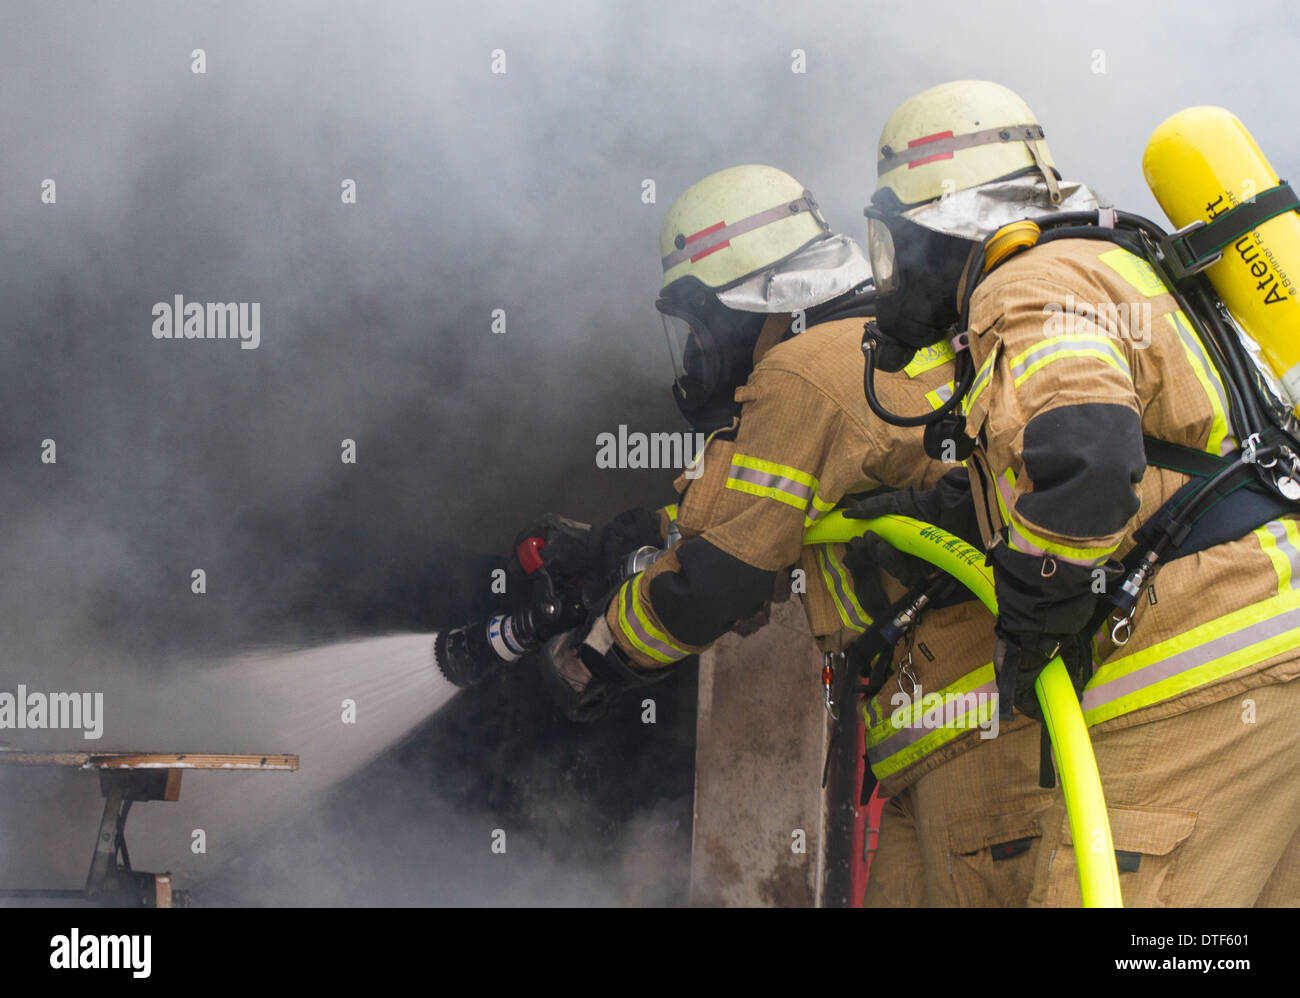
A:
(475, 192)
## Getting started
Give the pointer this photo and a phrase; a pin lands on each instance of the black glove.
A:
(631, 529)
(584, 670)
(1018, 658)
(1042, 603)
(566, 553)
(948, 506)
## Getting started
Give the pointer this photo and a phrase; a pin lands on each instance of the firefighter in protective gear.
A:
(748, 262)
(1083, 363)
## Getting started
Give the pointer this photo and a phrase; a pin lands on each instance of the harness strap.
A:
(1197, 246)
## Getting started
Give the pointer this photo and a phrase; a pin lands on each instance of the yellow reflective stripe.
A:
(840, 587)
(940, 395)
(1006, 487)
(781, 482)
(928, 358)
(982, 379)
(643, 635)
(1136, 271)
(1280, 540)
(1078, 556)
(1197, 657)
(1219, 442)
(903, 736)
(772, 468)
(671, 510)
(766, 492)
(1026, 541)
(1029, 362)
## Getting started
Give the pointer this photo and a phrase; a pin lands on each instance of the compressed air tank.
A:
(1201, 163)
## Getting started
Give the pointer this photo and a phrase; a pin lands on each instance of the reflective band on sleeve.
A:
(638, 629)
(1280, 540)
(1197, 657)
(791, 486)
(940, 395)
(1028, 363)
(712, 238)
(1220, 441)
(1024, 540)
(902, 736)
(1137, 272)
(840, 586)
(982, 378)
(928, 358)
(671, 511)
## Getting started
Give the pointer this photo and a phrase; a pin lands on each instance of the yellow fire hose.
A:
(1080, 782)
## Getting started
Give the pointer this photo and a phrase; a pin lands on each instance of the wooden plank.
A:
(172, 789)
(248, 762)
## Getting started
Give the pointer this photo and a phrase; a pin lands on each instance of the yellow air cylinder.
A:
(1201, 163)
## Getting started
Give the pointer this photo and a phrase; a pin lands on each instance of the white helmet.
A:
(755, 237)
(742, 244)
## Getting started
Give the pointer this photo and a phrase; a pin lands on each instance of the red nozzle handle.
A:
(527, 553)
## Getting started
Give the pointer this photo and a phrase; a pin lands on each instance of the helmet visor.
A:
(696, 366)
(880, 250)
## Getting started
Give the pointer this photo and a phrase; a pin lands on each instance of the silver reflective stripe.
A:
(1022, 543)
(1202, 654)
(831, 565)
(1194, 347)
(634, 622)
(944, 392)
(768, 480)
(756, 221)
(1068, 343)
(1278, 530)
(946, 146)
(942, 716)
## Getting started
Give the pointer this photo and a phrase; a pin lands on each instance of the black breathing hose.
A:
(965, 377)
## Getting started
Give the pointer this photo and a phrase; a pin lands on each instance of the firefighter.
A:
(764, 307)
(1091, 398)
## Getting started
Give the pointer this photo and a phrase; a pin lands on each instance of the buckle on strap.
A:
(1194, 247)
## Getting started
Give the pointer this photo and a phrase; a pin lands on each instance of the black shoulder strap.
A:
(1182, 459)
(1195, 247)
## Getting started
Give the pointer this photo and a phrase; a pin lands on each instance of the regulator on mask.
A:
(917, 272)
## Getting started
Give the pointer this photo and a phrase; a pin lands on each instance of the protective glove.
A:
(631, 529)
(948, 506)
(584, 670)
(1042, 603)
(1018, 658)
(567, 550)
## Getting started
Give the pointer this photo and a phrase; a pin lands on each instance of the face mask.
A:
(917, 271)
(712, 351)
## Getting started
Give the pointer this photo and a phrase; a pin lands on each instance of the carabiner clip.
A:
(1249, 447)
(905, 672)
(1123, 626)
